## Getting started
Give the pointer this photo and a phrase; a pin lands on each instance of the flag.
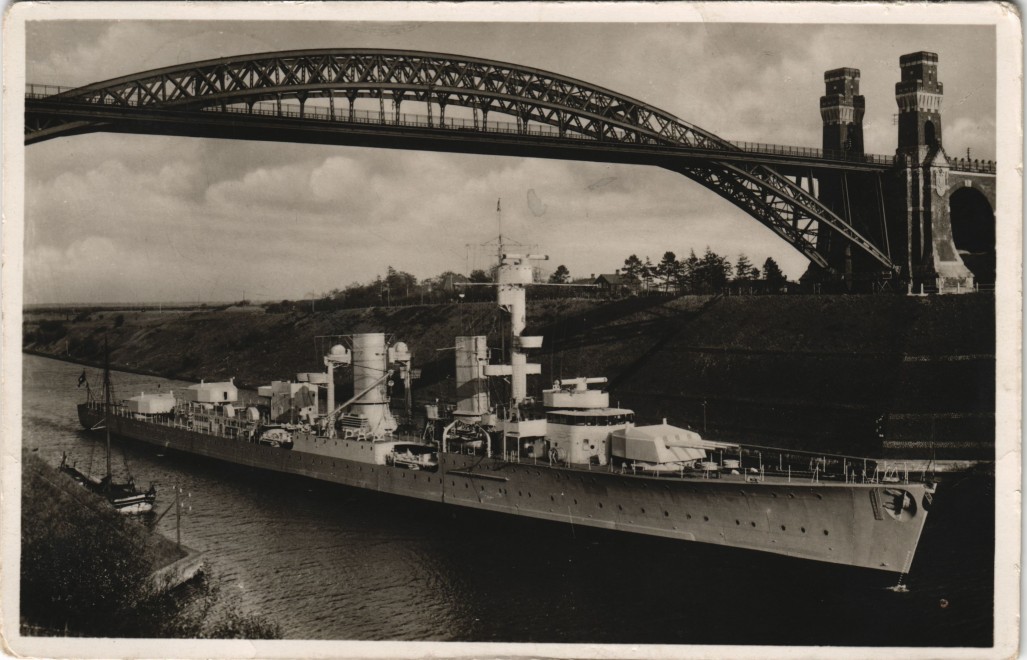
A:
(82, 378)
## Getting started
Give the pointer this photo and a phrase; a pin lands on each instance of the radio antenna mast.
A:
(499, 219)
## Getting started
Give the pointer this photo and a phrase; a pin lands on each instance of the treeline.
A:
(711, 273)
(708, 274)
(398, 288)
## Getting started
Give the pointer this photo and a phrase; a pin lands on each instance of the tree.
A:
(478, 276)
(632, 269)
(743, 268)
(668, 269)
(715, 271)
(560, 276)
(689, 275)
(648, 272)
(399, 284)
(773, 276)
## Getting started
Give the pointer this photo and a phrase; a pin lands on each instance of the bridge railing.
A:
(34, 91)
(967, 165)
(809, 152)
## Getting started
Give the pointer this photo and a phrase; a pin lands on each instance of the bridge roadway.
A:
(363, 128)
(414, 131)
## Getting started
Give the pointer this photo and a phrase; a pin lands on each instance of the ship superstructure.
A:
(567, 456)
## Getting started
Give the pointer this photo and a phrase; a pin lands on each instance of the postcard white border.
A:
(1005, 18)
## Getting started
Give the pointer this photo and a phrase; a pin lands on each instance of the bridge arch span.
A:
(582, 120)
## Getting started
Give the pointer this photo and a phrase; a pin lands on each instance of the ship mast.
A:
(499, 221)
(107, 408)
(514, 274)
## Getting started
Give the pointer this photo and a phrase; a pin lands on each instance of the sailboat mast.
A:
(107, 407)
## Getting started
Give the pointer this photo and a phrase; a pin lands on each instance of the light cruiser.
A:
(572, 459)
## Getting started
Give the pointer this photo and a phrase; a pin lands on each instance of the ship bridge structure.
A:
(848, 212)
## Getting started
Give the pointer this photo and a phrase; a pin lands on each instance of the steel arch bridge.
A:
(555, 117)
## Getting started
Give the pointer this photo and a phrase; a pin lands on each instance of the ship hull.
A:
(835, 522)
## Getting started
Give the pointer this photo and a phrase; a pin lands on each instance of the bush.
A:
(85, 571)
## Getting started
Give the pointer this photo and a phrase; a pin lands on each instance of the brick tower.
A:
(919, 97)
(841, 109)
(930, 260)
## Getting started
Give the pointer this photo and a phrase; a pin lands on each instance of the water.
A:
(329, 562)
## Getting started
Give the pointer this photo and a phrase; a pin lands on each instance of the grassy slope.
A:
(817, 370)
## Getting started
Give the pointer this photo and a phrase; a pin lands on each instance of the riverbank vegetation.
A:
(86, 571)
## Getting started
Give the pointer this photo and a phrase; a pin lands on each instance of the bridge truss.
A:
(554, 116)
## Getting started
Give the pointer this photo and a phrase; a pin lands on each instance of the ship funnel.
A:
(370, 364)
(471, 391)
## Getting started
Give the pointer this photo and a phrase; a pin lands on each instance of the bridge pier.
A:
(920, 183)
(850, 195)
(905, 212)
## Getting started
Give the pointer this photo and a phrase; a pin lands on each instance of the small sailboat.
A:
(124, 496)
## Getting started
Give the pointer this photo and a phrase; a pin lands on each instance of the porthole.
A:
(529, 493)
(738, 522)
(466, 485)
(552, 499)
(783, 528)
(753, 524)
(520, 494)
(600, 505)
(575, 500)
(825, 532)
(688, 516)
(802, 529)
(643, 509)
(620, 508)
(706, 519)
(819, 496)
(666, 514)
(483, 489)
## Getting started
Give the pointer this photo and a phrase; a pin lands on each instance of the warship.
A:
(567, 456)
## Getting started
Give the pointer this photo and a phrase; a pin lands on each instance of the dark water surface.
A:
(329, 562)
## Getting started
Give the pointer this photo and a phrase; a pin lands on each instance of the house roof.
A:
(612, 278)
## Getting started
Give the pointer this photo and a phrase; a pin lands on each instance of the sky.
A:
(111, 218)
